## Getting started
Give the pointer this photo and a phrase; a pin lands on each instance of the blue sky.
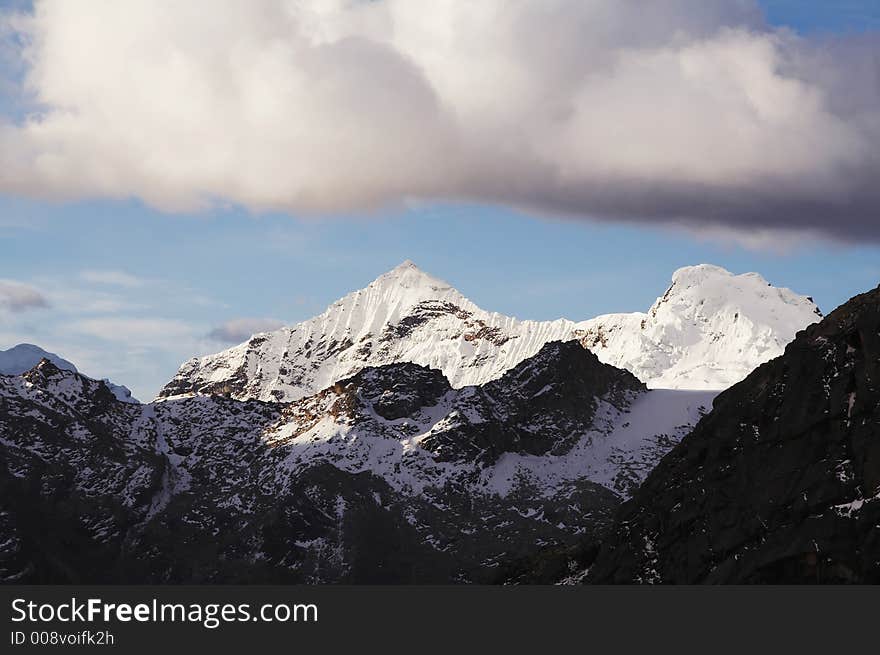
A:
(133, 291)
(831, 16)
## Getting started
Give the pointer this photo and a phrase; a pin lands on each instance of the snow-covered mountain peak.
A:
(698, 273)
(388, 299)
(707, 331)
(26, 356)
(409, 278)
(712, 287)
(404, 315)
(406, 285)
(407, 274)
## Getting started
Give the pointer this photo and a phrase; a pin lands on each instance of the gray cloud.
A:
(241, 329)
(685, 112)
(20, 297)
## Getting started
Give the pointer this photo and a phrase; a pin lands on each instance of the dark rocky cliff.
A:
(780, 483)
(217, 490)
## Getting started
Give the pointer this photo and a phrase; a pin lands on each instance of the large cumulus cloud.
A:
(692, 112)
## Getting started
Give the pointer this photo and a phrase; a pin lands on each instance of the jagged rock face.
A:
(560, 417)
(72, 476)
(184, 491)
(398, 390)
(342, 486)
(543, 405)
(406, 421)
(708, 331)
(780, 483)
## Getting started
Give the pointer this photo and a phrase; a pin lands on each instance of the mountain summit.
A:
(408, 276)
(780, 483)
(25, 356)
(708, 331)
(404, 315)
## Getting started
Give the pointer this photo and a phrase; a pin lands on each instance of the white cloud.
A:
(19, 297)
(688, 111)
(241, 329)
(113, 278)
(141, 332)
(71, 298)
(135, 338)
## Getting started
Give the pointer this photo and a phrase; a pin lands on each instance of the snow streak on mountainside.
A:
(25, 356)
(707, 331)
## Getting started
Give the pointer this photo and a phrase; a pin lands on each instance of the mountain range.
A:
(406, 435)
(709, 330)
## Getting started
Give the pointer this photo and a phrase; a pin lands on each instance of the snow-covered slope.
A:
(558, 418)
(618, 453)
(303, 491)
(25, 356)
(404, 315)
(708, 331)
(779, 484)
(229, 489)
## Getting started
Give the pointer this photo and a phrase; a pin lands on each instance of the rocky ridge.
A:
(25, 356)
(391, 475)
